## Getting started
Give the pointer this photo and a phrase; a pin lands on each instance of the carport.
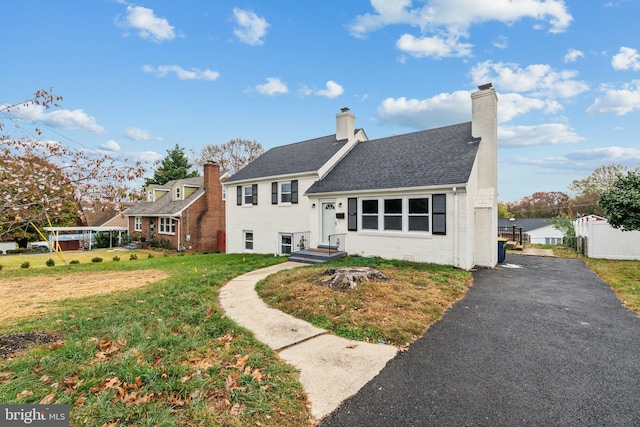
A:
(78, 237)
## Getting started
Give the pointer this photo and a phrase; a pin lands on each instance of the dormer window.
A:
(178, 193)
(150, 196)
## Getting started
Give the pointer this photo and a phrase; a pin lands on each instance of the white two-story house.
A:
(427, 196)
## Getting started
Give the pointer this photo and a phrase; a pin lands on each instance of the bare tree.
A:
(44, 180)
(231, 156)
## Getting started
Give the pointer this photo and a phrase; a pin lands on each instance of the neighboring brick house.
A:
(428, 196)
(189, 213)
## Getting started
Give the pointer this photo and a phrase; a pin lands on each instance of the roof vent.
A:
(345, 109)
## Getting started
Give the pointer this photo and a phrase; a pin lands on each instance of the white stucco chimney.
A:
(484, 125)
(345, 125)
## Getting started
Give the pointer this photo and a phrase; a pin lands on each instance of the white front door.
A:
(328, 221)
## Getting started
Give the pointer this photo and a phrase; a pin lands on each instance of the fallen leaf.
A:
(47, 399)
(24, 393)
(352, 345)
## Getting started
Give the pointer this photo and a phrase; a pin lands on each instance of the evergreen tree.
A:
(174, 166)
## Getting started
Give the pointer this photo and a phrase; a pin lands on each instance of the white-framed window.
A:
(178, 193)
(285, 192)
(137, 223)
(418, 214)
(167, 226)
(286, 244)
(248, 240)
(399, 214)
(150, 196)
(370, 214)
(393, 214)
(248, 194)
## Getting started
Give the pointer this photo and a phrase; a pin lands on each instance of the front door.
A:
(328, 221)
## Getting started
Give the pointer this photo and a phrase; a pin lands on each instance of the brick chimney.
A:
(210, 223)
(212, 186)
(345, 125)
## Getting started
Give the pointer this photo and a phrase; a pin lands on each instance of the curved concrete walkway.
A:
(331, 368)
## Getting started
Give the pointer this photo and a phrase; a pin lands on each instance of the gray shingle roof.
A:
(305, 156)
(432, 157)
(527, 224)
(165, 206)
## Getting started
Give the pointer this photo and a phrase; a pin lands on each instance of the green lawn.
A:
(163, 354)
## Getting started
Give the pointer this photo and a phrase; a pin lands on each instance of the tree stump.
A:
(344, 279)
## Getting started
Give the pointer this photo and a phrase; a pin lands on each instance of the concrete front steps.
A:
(315, 256)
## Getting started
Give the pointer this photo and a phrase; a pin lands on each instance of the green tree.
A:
(503, 210)
(174, 166)
(621, 202)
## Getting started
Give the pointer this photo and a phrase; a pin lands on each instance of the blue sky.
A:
(139, 77)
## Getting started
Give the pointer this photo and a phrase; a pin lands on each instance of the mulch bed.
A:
(11, 344)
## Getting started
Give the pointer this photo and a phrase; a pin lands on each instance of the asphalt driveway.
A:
(544, 344)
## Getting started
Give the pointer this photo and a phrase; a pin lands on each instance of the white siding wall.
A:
(418, 247)
(539, 236)
(264, 219)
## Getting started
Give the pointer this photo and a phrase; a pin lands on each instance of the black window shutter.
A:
(254, 194)
(294, 191)
(352, 213)
(274, 193)
(239, 195)
(439, 215)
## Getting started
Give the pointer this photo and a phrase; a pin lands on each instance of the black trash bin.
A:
(502, 249)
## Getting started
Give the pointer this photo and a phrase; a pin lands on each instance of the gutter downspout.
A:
(455, 227)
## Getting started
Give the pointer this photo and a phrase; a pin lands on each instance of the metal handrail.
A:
(337, 241)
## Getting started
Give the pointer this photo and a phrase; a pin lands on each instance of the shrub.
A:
(116, 258)
(132, 257)
(161, 244)
(1, 252)
(150, 256)
(1, 267)
(96, 259)
(74, 261)
(25, 264)
(50, 262)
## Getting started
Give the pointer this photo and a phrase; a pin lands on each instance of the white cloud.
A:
(138, 134)
(512, 105)
(450, 108)
(435, 46)
(501, 42)
(537, 79)
(627, 59)
(110, 145)
(618, 101)
(63, 119)
(332, 90)
(456, 15)
(147, 24)
(573, 55)
(146, 156)
(181, 73)
(606, 155)
(545, 134)
(251, 28)
(273, 86)
(440, 110)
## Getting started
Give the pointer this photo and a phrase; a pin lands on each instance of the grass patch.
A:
(38, 260)
(622, 276)
(397, 311)
(162, 354)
